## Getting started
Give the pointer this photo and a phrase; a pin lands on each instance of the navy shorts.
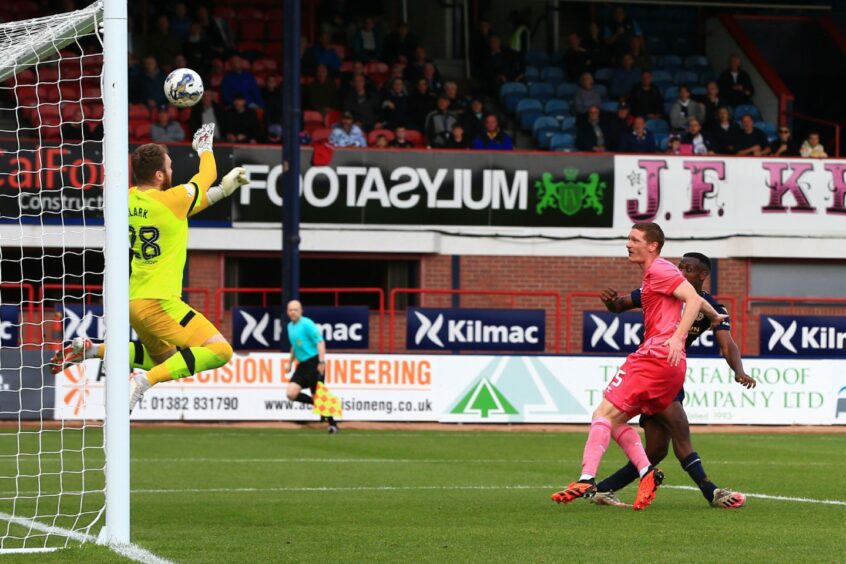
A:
(679, 398)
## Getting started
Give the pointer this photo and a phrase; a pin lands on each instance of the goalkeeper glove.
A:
(203, 138)
(233, 180)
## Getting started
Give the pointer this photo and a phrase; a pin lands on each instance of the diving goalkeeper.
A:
(176, 340)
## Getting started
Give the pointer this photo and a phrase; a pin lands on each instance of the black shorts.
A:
(679, 398)
(306, 374)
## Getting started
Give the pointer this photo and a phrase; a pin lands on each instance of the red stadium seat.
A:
(273, 49)
(70, 91)
(69, 111)
(332, 117)
(251, 30)
(141, 132)
(139, 111)
(320, 135)
(376, 67)
(414, 136)
(47, 74)
(311, 116)
(94, 111)
(373, 135)
(49, 93)
(346, 66)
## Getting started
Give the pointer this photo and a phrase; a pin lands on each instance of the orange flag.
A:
(326, 404)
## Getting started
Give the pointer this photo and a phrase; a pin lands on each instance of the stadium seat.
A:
(660, 75)
(512, 92)
(707, 75)
(542, 91)
(536, 58)
(699, 91)
(602, 90)
(668, 106)
(332, 117)
(320, 135)
(604, 75)
(544, 137)
(566, 90)
(49, 93)
(141, 132)
(562, 142)
(671, 62)
(528, 104)
(744, 109)
(769, 128)
(544, 122)
(568, 124)
(251, 30)
(657, 126)
(69, 111)
(414, 136)
(685, 77)
(557, 107)
(609, 106)
(69, 91)
(670, 93)
(552, 75)
(531, 74)
(662, 142)
(528, 117)
(250, 13)
(373, 135)
(376, 67)
(695, 61)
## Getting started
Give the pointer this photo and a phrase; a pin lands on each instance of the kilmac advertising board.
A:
(469, 389)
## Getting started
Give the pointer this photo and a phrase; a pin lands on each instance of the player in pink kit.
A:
(651, 376)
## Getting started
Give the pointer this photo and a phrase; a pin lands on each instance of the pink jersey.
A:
(661, 311)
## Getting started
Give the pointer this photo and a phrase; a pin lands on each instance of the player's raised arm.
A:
(202, 143)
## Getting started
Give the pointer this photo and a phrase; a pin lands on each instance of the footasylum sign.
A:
(476, 329)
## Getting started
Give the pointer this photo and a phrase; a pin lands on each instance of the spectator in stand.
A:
(685, 108)
(457, 105)
(735, 84)
(197, 51)
(637, 49)
(166, 131)
(363, 105)
(458, 139)
(217, 33)
(712, 103)
(208, 111)
(347, 79)
(272, 96)
(308, 65)
(645, 99)
(414, 69)
(162, 43)
(619, 126)
(381, 142)
(751, 141)
(473, 120)
(367, 42)
(240, 81)
(400, 142)
(493, 138)
(73, 130)
(725, 133)
(586, 95)
(180, 22)
(395, 110)
(179, 62)
(420, 103)
(598, 52)
(439, 123)
(640, 140)
(324, 54)
(346, 133)
(479, 45)
(619, 32)
(784, 145)
(674, 144)
(576, 59)
(396, 71)
(151, 84)
(242, 123)
(399, 45)
(626, 77)
(501, 64)
(699, 140)
(432, 77)
(520, 31)
(590, 134)
(812, 148)
(321, 94)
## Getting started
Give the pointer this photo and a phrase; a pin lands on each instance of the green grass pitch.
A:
(270, 495)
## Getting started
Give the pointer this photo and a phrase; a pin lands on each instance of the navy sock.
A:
(619, 479)
(304, 398)
(693, 466)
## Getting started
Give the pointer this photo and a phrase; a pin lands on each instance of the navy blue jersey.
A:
(702, 323)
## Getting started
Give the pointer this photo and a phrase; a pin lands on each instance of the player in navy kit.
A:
(672, 422)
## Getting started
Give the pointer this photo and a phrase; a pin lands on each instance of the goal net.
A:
(52, 469)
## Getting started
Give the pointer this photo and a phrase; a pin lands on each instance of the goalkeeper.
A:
(176, 340)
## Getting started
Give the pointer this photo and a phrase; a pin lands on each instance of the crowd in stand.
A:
(366, 86)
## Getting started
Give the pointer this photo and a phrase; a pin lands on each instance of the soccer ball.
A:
(183, 88)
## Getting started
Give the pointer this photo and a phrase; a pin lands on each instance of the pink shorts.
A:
(645, 384)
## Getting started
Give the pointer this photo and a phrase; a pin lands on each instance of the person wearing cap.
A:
(346, 133)
(473, 120)
(618, 125)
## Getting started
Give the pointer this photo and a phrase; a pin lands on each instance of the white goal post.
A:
(63, 483)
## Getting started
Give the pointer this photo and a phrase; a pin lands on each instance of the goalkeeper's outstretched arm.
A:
(208, 194)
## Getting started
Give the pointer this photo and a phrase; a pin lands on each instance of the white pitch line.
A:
(131, 551)
(772, 497)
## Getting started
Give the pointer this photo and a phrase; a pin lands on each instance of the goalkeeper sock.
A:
(304, 398)
(139, 357)
(190, 361)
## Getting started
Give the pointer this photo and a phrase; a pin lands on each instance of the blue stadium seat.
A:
(670, 93)
(531, 74)
(557, 107)
(568, 124)
(543, 130)
(670, 61)
(657, 126)
(609, 106)
(566, 90)
(750, 109)
(552, 75)
(528, 117)
(604, 75)
(707, 75)
(529, 104)
(661, 75)
(695, 61)
(769, 128)
(685, 77)
(536, 58)
(699, 91)
(662, 142)
(602, 89)
(668, 106)
(512, 88)
(563, 142)
(544, 137)
(511, 100)
(655, 43)
(542, 91)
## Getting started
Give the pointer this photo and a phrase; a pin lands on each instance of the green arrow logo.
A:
(484, 399)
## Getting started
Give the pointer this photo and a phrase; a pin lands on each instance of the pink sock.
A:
(597, 443)
(629, 440)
